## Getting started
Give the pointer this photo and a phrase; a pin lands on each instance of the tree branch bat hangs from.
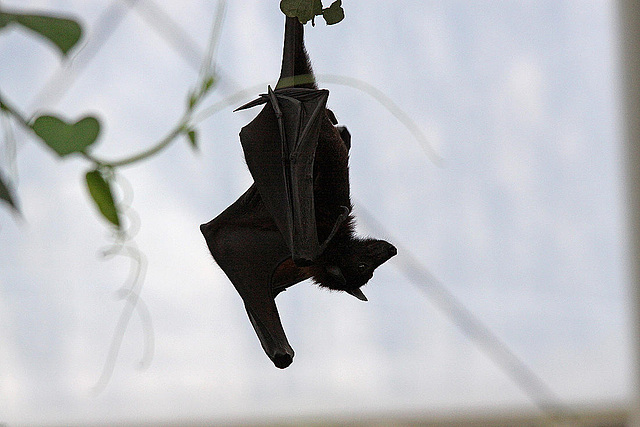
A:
(295, 221)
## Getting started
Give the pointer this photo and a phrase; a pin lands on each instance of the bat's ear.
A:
(335, 274)
(345, 135)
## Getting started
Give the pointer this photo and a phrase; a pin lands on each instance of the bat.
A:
(295, 221)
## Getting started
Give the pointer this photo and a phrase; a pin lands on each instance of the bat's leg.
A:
(272, 337)
(253, 285)
(249, 256)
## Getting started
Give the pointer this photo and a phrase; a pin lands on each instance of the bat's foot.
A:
(282, 360)
(274, 341)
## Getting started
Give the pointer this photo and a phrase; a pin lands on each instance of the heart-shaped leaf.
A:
(100, 191)
(62, 32)
(334, 13)
(6, 194)
(66, 138)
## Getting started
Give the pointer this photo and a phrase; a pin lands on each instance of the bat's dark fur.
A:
(249, 243)
(355, 257)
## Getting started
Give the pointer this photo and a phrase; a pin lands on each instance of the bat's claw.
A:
(282, 360)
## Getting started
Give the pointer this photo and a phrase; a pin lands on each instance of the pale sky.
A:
(522, 222)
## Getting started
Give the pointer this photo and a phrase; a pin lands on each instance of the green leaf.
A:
(304, 10)
(6, 195)
(207, 84)
(317, 10)
(334, 13)
(65, 138)
(100, 191)
(63, 32)
(193, 138)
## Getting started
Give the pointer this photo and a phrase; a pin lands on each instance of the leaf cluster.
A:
(66, 137)
(64, 34)
(61, 136)
(307, 10)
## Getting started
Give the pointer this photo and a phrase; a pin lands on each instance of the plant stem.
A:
(164, 142)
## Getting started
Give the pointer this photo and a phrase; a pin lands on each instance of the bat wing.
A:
(279, 147)
(250, 251)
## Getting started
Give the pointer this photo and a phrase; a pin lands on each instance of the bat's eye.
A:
(362, 267)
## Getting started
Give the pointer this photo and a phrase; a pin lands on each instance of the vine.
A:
(77, 138)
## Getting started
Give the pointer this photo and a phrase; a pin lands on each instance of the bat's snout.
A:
(391, 251)
(384, 251)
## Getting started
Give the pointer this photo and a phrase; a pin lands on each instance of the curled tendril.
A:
(124, 245)
(10, 146)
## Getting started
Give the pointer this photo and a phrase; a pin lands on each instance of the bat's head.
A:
(353, 264)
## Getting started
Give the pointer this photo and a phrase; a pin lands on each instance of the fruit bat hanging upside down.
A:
(295, 221)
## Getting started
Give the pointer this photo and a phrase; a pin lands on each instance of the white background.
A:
(522, 222)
